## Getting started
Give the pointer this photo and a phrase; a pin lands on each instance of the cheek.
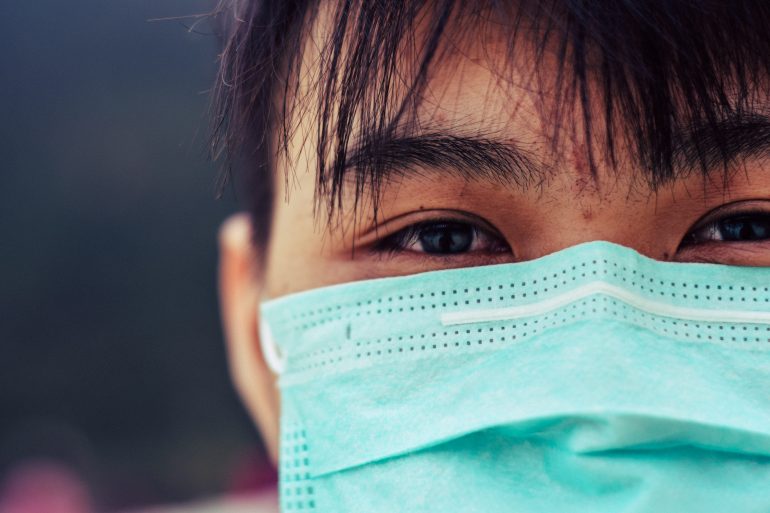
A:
(293, 264)
(300, 256)
(296, 248)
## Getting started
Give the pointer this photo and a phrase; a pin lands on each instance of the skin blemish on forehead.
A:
(584, 186)
(580, 164)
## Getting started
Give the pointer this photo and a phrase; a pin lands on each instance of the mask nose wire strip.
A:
(599, 287)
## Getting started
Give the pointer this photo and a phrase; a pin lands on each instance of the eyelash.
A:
(399, 241)
(714, 226)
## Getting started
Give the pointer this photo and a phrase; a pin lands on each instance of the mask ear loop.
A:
(275, 360)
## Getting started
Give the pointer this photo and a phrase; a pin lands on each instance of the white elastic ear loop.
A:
(270, 351)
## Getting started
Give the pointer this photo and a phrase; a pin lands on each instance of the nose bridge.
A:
(572, 216)
(569, 232)
(567, 237)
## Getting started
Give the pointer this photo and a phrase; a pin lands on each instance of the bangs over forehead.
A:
(670, 82)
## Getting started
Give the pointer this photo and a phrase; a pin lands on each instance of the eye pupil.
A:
(745, 228)
(446, 238)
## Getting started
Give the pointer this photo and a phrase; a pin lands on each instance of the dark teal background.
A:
(112, 359)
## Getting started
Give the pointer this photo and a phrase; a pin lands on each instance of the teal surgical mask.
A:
(590, 380)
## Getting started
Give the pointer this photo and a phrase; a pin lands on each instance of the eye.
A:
(733, 234)
(740, 227)
(443, 238)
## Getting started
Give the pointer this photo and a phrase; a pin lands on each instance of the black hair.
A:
(656, 66)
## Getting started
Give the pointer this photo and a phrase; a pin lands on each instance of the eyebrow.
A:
(471, 157)
(713, 145)
(710, 146)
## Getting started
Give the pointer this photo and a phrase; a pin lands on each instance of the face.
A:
(482, 184)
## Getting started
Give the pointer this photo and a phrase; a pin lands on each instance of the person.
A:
(501, 256)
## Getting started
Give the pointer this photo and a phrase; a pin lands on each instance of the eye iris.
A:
(446, 238)
(745, 228)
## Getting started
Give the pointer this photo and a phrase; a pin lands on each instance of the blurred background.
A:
(113, 382)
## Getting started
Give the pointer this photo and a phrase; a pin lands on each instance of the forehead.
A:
(582, 92)
(479, 88)
(478, 80)
(478, 75)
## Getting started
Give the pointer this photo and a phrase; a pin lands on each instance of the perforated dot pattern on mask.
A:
(490, 294)
(502, 333)
(297, 492)
(397, 317)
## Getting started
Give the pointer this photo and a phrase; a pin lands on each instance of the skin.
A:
(564, 207)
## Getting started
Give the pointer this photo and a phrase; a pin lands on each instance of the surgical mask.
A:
(590, 380)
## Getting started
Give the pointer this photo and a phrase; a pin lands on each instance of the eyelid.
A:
(410, 234)
(484, 241)
(750, 207)
(398, 223)
(742, 207)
